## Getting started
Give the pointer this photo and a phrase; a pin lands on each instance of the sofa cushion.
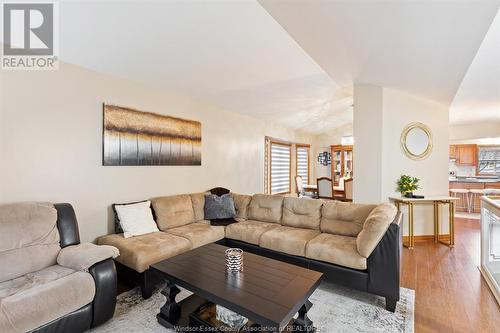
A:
(249, 231)
(198, 200)
(335, 249)
(288, 240)
(265, 208)
(42, 297)
(173, 211)
(199, 234)
(30, 280)
(29, 240)
(301, 213)
(343, 218)
(374, 228)
(241, 202)
(140, 252)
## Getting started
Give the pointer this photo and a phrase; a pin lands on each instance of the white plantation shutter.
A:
(280, 168)
(303, 164)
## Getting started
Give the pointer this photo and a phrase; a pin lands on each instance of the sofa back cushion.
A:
(241, 202)
(265, 208)
(374, 228)
(198, 201)
(301, 213)
(173, 211)
(29, 239)
(344, 218)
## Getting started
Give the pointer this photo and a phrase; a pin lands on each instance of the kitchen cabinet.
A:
(464, 154)
(342, 163)
(453, 152)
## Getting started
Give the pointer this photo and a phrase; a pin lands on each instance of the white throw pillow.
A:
(136, 219)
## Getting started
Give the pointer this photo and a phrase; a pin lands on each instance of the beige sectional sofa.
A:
(315, 229)
(341, 239)
(182, 228)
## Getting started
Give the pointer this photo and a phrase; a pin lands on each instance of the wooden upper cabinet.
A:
(466, 154)
(453, 152)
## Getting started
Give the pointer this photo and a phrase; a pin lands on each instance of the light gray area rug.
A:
(335, 309)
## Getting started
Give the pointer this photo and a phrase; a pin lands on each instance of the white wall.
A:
(323, 142)
(465, 133)
(368, 135)
(401, 109)
(380, 115)
(321, 170)
(334, 136)
(51, 141)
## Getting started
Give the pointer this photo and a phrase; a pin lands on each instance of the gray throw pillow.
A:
(219, 207)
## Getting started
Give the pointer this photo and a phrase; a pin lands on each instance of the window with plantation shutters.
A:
(280, 168)
(303, 163)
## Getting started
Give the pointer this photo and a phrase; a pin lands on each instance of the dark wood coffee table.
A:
(268, 292)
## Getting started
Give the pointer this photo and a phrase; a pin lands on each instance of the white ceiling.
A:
(422, 47)
(237, 56)
(229, 53)
(478, 98)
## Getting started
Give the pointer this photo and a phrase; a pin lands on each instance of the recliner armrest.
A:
(104, 274)
(82, 256)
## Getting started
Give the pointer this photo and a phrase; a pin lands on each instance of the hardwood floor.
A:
(450, 294)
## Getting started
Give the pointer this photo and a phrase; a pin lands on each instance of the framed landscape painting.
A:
(133, 137)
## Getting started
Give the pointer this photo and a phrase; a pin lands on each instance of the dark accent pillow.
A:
(222, 222)
(118, 227)
(219, 207)
(219, 191)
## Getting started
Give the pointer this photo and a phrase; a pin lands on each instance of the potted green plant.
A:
(407, 184)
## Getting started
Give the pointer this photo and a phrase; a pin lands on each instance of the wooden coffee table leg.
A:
(303, 323)
(170, 311)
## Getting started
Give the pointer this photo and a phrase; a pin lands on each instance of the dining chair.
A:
(301, 192)
(298, 186)
(325, 188)
(341, 181)
(338, 191)
(348, 184)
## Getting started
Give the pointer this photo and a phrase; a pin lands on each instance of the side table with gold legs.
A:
(436, 201)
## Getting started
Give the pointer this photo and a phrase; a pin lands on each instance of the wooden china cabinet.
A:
(342, 163)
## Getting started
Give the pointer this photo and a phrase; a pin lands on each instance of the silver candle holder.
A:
(234, 260)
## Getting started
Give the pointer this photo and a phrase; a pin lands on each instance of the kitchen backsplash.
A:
(462, 170)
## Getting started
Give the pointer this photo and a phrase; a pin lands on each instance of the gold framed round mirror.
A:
(416, 141)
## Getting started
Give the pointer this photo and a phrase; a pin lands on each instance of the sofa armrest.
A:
(104, 274)
(397, 219)
(375, 227)
(82, 256)
(384, 263)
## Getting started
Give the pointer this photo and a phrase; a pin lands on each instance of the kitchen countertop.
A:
(474, 180)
